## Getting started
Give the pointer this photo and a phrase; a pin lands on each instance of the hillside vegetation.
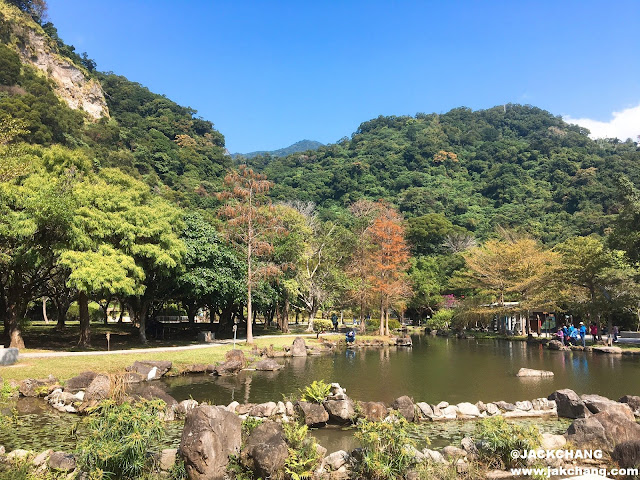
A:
(513, 165)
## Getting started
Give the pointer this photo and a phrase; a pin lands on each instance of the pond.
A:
(435, 369)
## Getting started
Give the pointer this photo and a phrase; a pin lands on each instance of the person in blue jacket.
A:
(351, 336)
(583, 333)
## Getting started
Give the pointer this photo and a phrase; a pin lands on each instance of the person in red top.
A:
(593, 330)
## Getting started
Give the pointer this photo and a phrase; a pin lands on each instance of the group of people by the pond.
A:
(571, 335)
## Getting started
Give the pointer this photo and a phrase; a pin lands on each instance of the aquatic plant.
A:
(496, 439)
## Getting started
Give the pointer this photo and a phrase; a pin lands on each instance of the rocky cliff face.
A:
(71, 83)
(36, 49)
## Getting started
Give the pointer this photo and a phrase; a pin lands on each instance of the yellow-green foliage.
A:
(118, 438)
(497, 438)
(317, 392)
(384, 456)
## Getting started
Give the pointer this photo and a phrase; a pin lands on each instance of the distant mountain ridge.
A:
(301, 146)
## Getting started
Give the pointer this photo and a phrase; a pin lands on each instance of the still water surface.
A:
(435, 369)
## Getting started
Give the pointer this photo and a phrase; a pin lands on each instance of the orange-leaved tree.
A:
(389, 260)
(251, 225)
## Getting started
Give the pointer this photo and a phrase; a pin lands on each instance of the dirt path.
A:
(218, 343)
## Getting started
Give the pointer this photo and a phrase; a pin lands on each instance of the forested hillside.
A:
(301, 146)
(512, 165)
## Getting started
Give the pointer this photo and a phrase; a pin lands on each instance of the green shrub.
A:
(320, 325)
(317, 392)
(248, 425)
(118, 438)
(6, 391)
(303, 455)
(394, 324)
(384, 456)
(374, 324)
(497, 438)
(441, 319)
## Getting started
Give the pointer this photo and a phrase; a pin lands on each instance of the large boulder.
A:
(556, 345)
(79, 382)
(299, 348)
(151, 369)
(266, 450)
(627, 454)
(405, 406)
(228, 368)
(210, 435)
(598, 403)
(468, 409)
(263, 410)
(8, 356)
(340, 411)
(236, 356)
(529, 372)
(603, 430)
(98, 389)
(314, 414)
(268, 365)
(505, 406)
(569, 404)
(61, 461)
(633, 401)
(151, 392)
(33, 387)
(374, 411)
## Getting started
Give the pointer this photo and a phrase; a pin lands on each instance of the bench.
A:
(629, 337)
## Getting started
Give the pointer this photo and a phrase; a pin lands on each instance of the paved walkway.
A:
(218, 343)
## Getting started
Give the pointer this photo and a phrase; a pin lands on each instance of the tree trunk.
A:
(192, 309)
(285, 316)
(44, 310)
(142, 322)
(85, 327)
(386, 322)
(12, 328)
(363, 324)
(121, 312)
(381, 329)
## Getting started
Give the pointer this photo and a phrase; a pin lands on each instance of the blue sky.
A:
(270, 73)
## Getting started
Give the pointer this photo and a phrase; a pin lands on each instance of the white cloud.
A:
(623, 125)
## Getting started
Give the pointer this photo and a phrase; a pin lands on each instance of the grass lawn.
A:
(66, 367)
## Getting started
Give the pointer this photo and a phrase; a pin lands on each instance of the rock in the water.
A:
(228, 368)
(556, 345)
(314, 414)
(442, 405)
(610, 350)
(598, 403)
(195, 368)
(492, 409)
(468, 409)
(41, 458)
(336, 460)
(524, 406)
(299, 348)
(373, 411)
(236, 356)
(603, 430)
(266, 450)
(425, 409)
(569, 404)
(268, 365)
(151, 369)
(210, 435)
(451, 452)
(450, 412)
(263, 410)
(540, 404)
(341, 411)
(433, 456)
(79, 382)
(61, 461)
(529, 372)
(406, 407)
(505, 406)
(627, 454)
(32, 387)
(154, 391)
(98, 389)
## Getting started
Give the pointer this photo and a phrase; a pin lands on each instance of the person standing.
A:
(334, 320)
(583, 333)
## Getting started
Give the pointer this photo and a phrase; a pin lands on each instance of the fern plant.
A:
(317, 392)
